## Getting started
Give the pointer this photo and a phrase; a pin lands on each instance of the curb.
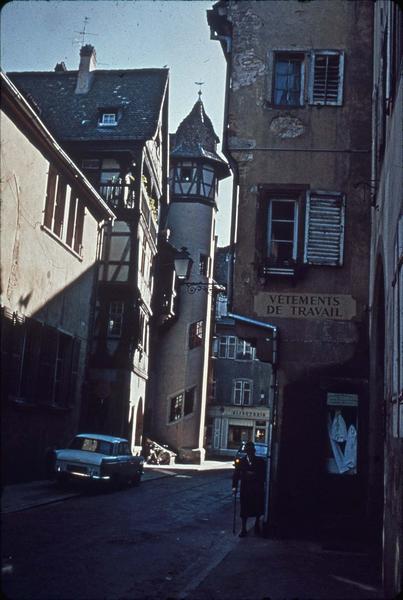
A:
(24, 496)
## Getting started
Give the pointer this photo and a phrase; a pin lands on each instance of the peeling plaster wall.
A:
(323, 147)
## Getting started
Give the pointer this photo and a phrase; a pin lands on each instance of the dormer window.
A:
(108, 118)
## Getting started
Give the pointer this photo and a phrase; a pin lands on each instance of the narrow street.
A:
(156, 540)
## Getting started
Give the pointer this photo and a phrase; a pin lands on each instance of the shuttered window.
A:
(324, 229)
(326, 78)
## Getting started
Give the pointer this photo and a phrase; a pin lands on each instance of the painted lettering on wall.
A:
(306, 306)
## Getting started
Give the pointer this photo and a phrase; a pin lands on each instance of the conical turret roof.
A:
(196, 138)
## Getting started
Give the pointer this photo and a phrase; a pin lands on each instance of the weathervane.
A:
(199, 83)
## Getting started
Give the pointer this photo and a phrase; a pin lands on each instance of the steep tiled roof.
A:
(137, 93)
(196, 138)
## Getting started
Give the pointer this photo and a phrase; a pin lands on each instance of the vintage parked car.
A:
(260, 448)
(97, 457)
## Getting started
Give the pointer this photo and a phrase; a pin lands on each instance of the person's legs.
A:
(257, 525)
(243, 532)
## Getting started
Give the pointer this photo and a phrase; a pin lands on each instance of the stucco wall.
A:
(386, 475)
(321, 147)
(37, 270)
(43, 279)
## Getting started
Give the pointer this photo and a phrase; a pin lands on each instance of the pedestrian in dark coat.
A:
(251, 472)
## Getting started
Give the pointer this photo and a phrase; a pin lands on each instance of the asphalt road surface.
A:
(157, 541)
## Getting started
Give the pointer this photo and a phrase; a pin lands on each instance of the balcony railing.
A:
(118, 195)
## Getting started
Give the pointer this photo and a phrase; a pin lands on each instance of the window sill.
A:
(285, 271)
(60, 241)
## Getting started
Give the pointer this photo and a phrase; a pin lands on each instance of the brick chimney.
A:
(88, 63)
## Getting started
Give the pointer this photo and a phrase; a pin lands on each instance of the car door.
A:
(124, 458)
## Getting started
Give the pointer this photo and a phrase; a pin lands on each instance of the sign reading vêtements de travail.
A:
(306, 306)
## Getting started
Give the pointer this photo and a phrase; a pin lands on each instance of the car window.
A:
(91, 445)
(123, 449)
(105, 448)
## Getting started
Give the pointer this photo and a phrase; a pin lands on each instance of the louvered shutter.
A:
(326, 78)
(324, 229)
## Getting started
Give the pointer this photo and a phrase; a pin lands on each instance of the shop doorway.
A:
(238, 434)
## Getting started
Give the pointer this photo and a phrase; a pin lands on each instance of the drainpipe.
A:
(234, 204)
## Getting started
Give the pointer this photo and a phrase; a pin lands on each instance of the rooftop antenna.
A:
(199, 83)
(83, 33)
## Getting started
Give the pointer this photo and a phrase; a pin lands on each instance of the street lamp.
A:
(183, 266)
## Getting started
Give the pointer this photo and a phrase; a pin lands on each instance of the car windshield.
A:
(92, 445)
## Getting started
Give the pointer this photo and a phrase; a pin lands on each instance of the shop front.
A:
(233, 425)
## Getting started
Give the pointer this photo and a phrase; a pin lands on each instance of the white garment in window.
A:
(338, 431)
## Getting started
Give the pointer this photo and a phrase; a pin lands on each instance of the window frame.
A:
(311, 84)
(103, 118)
(322, 195)
(228, 344)
(269, 227)
(175, 407)
(239, 385)
(64, 204)
(291, 56)
(196, 334)
(118, 318)
(244, 350)
(43, 363)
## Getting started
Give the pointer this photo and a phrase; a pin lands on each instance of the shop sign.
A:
(342, 399)
(306, 306)
(246, 413)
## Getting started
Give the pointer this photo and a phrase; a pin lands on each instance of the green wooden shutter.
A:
(324, 229)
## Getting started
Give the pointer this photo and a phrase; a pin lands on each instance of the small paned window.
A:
(175, 408)
(242, 392)
(108, 119)
(326, 78)
(115, 322)
(185, 179)
(207, 182)
(196, 334)
(244, 350)
(185, 174)
(226, 346)
(282, 229)
(62, 203)
(288, 80)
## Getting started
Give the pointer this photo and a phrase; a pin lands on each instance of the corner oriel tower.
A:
(182, 361)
